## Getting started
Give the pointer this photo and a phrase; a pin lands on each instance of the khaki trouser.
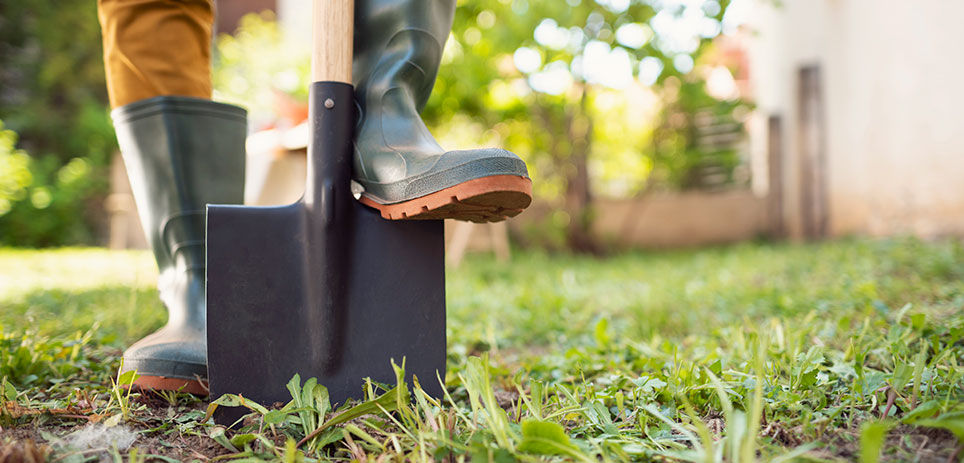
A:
(156, 47)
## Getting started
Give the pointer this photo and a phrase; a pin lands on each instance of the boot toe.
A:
(484, 185)
(169, 354)
(457, 167)
(479, 163)
(452, 168)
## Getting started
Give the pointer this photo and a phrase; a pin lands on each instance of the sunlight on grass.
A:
(58, 292)
(24, 270)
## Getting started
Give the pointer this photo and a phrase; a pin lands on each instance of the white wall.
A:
(892, 75)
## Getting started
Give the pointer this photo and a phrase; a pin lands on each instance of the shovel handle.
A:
(332, 40)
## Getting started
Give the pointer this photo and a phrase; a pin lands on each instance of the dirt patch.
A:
(904, 443)
(184, 448)
(158, 429)
(23, 451)
(16, 444)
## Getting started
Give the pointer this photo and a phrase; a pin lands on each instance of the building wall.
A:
(666, 220)
(893, 108)
(685, 219)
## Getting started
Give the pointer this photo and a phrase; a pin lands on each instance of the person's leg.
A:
(182, 151)
(156, 47)
(405, 173)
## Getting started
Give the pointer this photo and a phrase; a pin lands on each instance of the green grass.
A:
(836, 351)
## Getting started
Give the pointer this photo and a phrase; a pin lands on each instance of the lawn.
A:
(847, 350)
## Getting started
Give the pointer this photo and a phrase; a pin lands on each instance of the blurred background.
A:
(645, 123)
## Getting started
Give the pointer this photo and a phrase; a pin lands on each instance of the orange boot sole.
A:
(163, 383)
(486, 199)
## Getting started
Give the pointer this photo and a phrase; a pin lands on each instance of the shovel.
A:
(323, 287)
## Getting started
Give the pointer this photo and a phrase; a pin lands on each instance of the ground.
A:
(836, 351)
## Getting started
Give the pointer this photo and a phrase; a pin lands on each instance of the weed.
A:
(120, 395)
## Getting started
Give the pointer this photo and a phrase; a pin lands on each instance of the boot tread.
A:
(487, 199)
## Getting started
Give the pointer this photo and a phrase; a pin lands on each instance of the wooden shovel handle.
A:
(332, 37)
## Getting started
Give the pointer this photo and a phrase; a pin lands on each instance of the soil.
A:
(903, 443)
(17, 444)
(29, 440)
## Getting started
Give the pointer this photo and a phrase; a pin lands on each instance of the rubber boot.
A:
(181, 154)
(403, 170)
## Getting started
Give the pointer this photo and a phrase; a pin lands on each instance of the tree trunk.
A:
(578, 197)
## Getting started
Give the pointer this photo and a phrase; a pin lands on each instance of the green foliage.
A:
(258, 65)
(120, 395)
(872, 437)
(308, 417)
(544, 438)
(28, 359)
(15, 165)
(49, 204)
(53, 94)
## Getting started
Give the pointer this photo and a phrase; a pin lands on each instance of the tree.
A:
(52, 93)
(530, 71)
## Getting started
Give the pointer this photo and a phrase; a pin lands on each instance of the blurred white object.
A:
(276, 166)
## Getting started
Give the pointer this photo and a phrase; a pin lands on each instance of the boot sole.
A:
(163, 383)
(487, 199)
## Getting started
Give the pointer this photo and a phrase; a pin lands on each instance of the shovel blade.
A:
(262, 303)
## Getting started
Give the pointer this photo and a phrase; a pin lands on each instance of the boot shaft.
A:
(399, 43)
(181, 154)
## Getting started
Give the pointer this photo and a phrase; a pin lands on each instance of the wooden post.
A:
(810, 133)
(775, 177)
(459, 243)
(461, 237)
(499, 233)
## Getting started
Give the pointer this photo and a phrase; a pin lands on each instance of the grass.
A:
(847, 350)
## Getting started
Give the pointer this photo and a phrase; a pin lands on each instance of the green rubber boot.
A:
(403, 170)
(181, 154)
